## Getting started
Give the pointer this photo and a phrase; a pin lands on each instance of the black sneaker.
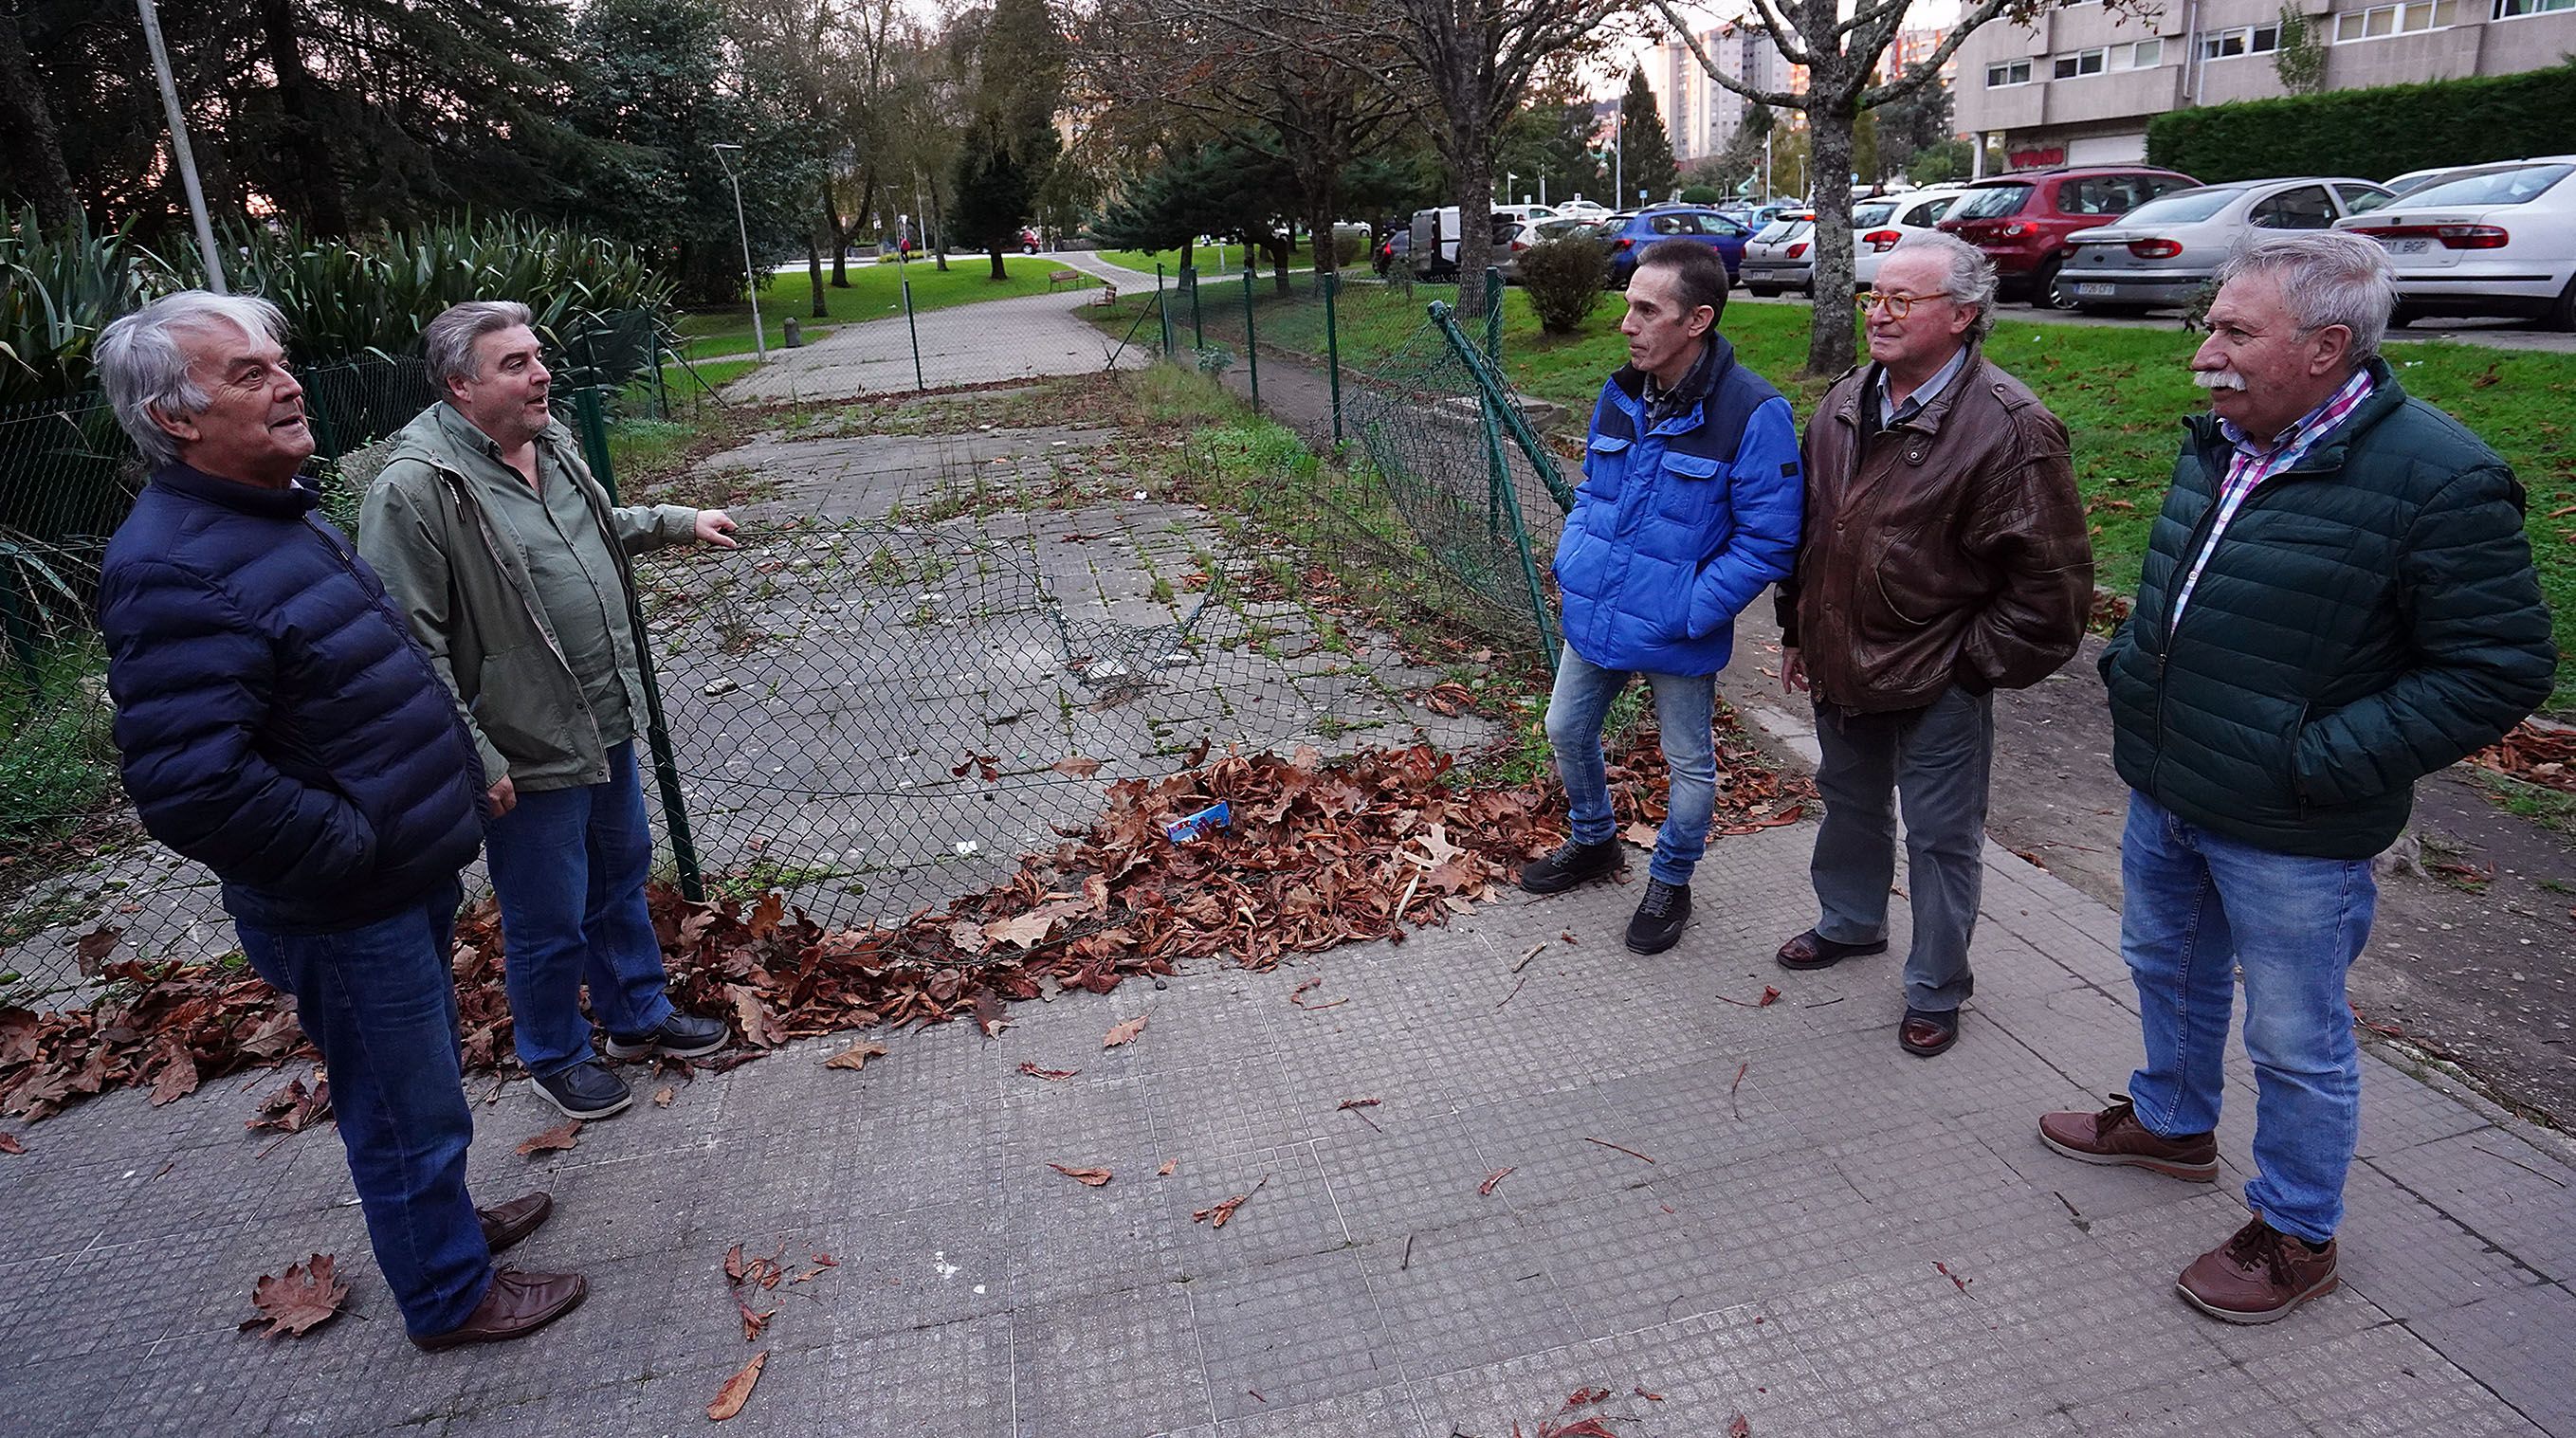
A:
(1661, 917)
(681, 1036)
(587, 1090)
(1572, 864)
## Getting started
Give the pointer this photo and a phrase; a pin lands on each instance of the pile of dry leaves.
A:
(2546, 757)
(1317, 855)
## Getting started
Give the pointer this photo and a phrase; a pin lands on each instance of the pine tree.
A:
(1011, 146)
(1645, 149)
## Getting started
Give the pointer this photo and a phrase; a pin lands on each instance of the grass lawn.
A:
(1209, 258)
(2121, 392)
(874, 292)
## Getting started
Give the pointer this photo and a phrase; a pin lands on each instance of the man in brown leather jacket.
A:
(1944, 558)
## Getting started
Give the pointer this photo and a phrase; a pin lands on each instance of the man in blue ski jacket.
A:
(1689, 507)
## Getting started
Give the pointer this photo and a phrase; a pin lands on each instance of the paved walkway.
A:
(1769, 1211)
(981, 343)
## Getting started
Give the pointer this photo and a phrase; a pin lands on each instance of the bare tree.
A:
(1842, 55)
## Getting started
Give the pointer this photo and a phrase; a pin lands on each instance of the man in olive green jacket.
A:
(511, 566)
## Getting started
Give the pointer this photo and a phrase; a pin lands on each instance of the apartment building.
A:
(2078, 85)
(1700, 114)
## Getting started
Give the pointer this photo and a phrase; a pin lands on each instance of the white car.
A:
(2162, 253)
(2493, 244)
(1880, 225)
(1782, 256)
(1534, 232)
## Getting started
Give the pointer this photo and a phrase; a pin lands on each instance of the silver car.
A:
(2161, 254)
(1782, 256)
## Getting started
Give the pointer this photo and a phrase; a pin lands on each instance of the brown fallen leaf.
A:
(856, 1056)
(299, 1300)
(1077, 766)
(1642, 835)
(734, 1268)
(1087, 1177)
(1737, 1427)
(295, 1107)
(1584, 1398)
(1355, 1103)
(1218, 1215)
(1588, 1428)
(1956, 1281)
(1769, 997)
(1170, 1166)
(562, 1135)
(1297, 996)
(737, 1389)
(753, 1323)
(9, 1144)
(1486, 1189)
(1050, 1075)
(662, 1096)
(1124, 1032)
(1649, 1397)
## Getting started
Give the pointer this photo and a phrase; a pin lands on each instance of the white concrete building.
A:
(1700, 114)
(2078, 86)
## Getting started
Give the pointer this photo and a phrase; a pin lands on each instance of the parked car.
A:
(1527, 212)
(1536, 232)
(2021, 220)
(1880, 225)
(2163, 252)
(1583, 208)
(1028, 240)
(1391, 251)
(1434, 250)
(1782, 256)
(2493, 244)
(1627, 234)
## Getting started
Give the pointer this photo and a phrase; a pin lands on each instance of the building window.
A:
(2011, 72)
(2143, 55)
(2255, 39)
(2384, 20)
(2513, 9)
(2082, 62)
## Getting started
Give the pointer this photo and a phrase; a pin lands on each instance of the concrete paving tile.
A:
(2222, 1402)
(1409, 1173)
(2412, 1260)
(1464, 1296)
(1109, 1363)
(2517, 1343)
(2383, 1382)
(2499, 1188)
(1289, 1211)
(1378, 1413)
(1289, 1333)
(1901, 1354)
(1630, 1260)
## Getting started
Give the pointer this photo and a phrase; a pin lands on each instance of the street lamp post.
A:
(759, 342)
(179, 150)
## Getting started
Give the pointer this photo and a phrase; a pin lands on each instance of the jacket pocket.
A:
(1605, 466)
(512, 701)
(1693, 489)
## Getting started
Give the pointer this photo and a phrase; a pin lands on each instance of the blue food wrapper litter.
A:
(1214, 816)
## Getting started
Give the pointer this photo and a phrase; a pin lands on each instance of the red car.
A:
(2021, 220)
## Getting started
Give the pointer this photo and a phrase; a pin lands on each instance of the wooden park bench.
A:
(1064, 277)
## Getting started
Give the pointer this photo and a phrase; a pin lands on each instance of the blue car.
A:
(1628, 233)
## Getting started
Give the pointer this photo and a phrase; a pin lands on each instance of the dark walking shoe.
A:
(586, 1090)
(516, 1305)
(1812, 950)
(1661, 916)
(681, 1036)
(506, 1224)
(1572, 864)
(2115, 1136)
(1926, 1034)
(2257, 1276)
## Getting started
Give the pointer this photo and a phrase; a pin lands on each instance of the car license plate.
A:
(2093, 292)
(2407, 247)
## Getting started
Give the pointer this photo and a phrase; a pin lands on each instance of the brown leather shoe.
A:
(516, 1305)
(1926, 1034)
(505, 1224)
(2257, 1276)
(1812, 950)
(2115, 1136)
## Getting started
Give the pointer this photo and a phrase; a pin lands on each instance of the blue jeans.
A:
(2200, 907)
(568, 867)
(1685, 706)
(380, 1003)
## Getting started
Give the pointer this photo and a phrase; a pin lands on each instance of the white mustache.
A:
(2218, 379)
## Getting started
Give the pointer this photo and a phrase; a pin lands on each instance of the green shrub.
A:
(2373, 133)
(1701, 195)
(1565, 278)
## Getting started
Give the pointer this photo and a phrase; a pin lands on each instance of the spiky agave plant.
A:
(58, 288)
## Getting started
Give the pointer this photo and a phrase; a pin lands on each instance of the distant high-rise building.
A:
(1701, 115)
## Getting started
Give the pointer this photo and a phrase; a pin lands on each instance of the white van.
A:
(1434, 249)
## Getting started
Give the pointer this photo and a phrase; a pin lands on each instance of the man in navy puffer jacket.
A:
(1689, 507)
(278, 725)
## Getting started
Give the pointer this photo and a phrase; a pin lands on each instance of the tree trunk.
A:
(999, 273)
(36, 164)
(1830, 347)
(1279, 249)
(840, 236)
(324, 205)
(814, 271)
(1472, 186)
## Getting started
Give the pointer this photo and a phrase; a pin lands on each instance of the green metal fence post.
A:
(1494, 314)
(1333, 347)
(1163, 308)
(1251, 341)
(903, 274)
(1198, 321)
(657, 732)
(1495, 401)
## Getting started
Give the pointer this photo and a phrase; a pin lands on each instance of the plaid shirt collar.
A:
(2292, 443)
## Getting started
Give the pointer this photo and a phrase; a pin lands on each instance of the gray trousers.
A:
(1935, 760)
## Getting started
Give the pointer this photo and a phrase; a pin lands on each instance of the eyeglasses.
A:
(1897, 306)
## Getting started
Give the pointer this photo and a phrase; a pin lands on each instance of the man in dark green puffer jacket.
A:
(2337, 601)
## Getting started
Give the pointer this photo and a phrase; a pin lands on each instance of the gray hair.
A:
(145, 372)
(449, 339)
(2328, 277)
(1971, 281)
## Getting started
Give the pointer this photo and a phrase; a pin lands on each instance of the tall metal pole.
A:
(179, 150)
(759, 341)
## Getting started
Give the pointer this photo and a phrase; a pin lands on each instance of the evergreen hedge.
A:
(2370, 134)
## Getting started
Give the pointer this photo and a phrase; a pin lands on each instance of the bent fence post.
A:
(657, 732)
(1494, 397)
(1163, 308)
(1494, 314)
